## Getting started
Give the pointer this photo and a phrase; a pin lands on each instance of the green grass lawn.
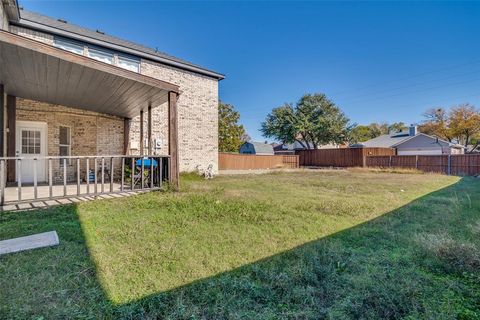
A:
(305, 245)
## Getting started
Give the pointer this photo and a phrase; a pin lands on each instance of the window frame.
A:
(101, 51)
(31, 142)
(68, 146)
(58, 40)
(62, 43)
(126, 57)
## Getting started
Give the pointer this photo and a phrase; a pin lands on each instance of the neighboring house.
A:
(71, 91)
(259, 148)
(290, 148)
(412, 143)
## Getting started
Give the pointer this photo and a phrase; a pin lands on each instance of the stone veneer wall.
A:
(197, 112)
(92, 133)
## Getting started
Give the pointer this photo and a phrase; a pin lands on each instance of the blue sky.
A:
(378, 61)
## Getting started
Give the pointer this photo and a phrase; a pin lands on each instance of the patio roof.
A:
(37, 71)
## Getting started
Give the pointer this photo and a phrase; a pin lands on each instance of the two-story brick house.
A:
(69, 91)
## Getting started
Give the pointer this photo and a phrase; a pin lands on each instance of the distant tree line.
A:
(363, 133)
(460, 124)
(315, 120)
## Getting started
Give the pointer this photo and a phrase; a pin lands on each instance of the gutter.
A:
(52, 30)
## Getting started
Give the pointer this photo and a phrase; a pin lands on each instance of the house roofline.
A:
(429, 136)
(17, 20)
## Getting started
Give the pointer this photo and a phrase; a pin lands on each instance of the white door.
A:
(31, 143)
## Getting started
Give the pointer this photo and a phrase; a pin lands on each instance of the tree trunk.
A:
(304, 137)
(301, 143)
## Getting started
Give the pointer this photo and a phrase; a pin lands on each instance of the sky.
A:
(378, 61)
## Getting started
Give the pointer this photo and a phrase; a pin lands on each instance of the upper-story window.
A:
(100, 55)
(121, 60)
(129, 63)
(68, 45)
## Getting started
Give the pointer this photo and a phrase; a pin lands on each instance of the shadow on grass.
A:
(388, 267)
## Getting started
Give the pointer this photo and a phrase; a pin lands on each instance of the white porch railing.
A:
(77, 176)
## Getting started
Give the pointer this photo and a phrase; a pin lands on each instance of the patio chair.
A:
(137, 177)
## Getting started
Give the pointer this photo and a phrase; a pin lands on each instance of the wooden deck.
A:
(29, 202)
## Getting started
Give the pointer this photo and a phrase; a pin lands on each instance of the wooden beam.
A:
(149, 129)
(12, 130)
(173, 140)
(2, 121)
(126, 135)
(141, 133)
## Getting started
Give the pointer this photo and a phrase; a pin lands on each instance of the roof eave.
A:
(41, 27)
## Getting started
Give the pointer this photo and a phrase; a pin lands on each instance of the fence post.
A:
(416, 162)
(449, 170)
(390, 162)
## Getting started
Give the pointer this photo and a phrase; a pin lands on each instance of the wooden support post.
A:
(173, 140)
(126, 135)
(2, 121)
(149, 129)
(12, 117)
(141, 133)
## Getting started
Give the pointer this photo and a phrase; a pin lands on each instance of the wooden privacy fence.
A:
(234, 161)
(456, 164)
(345, 157)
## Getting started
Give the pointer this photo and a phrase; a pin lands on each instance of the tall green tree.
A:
(361, 133)
(313, 121)
(231, 134)
(397, 127)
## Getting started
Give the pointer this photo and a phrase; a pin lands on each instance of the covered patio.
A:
(39, 72)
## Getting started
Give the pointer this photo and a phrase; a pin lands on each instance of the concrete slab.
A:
(39, 204)
(39, 240)
(24, 206)
(64, 201)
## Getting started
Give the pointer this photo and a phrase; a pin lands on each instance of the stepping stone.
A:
(39, 240)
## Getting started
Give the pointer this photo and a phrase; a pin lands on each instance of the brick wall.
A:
(32, 34)
(91, 133)
(197, 112)
(197, 116)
